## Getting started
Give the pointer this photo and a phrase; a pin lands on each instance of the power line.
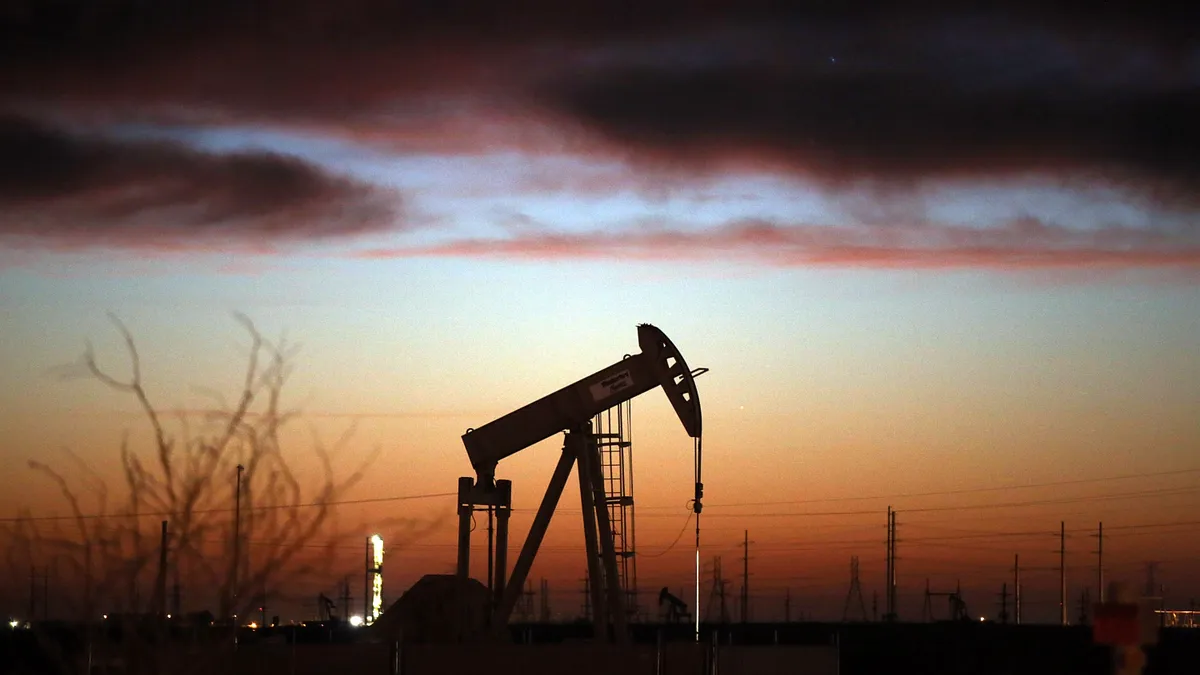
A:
(269, 507)
(676, 541)
(971, 507)
(963, 491)
(864, 512)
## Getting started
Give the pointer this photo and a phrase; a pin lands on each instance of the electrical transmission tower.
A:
(854, 592)
(545, 613)
(717, 594)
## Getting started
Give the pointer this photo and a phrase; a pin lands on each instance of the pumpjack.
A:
(676, 610)
(570, 410)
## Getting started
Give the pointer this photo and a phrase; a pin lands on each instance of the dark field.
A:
(755, 649)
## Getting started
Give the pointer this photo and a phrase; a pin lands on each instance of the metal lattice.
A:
(614, 438)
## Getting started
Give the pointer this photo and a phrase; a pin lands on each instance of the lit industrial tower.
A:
(374, 578)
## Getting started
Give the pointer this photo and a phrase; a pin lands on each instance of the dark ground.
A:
(864, 649)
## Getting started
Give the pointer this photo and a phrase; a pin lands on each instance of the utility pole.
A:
(176, 599)
(875, 606)
(719, 580)
(1004, 603)
(1017, 588)
(891, 567)
(237, 536)
(160, 586)
(32, 593)
(545, 589)
(1154, 591)
(787, 606)
(1062, 573)
(346, 599)
(1100, 561)
(1084, 601)
(745, 576)
(887, 581)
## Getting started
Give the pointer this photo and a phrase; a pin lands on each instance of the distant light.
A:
(13, 624)
(253, 625)
(982, 619)
(168, 616)
(104, 616)
(376, 542)
(356, 621)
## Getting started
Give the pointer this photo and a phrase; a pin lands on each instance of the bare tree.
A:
(106, 550)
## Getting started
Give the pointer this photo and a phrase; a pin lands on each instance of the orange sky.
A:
(925, 267)
(805, 449)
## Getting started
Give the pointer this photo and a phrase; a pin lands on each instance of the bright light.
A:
(377, 547)
(168, 616)
(982, 619)
(13, 624)
(105, 617)
(253, 625)
(356, 621)
(377, 578)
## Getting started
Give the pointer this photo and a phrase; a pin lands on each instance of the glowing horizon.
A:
(953, 272)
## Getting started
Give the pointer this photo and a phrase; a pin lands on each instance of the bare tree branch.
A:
(109, 557)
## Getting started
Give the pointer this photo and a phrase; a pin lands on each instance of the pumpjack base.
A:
(579, 451)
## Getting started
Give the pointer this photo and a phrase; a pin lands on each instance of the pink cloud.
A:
(1025, 244)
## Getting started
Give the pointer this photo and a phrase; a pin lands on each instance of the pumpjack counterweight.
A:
(570, 410)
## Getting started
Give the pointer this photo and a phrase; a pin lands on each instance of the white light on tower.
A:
(376, 578)
(356, 621)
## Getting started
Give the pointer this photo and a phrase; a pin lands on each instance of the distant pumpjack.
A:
(325, 608)
(677, 610)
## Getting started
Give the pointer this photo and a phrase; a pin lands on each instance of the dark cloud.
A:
(353, 58)
(950, 98)
(838, 91)
(64, 189)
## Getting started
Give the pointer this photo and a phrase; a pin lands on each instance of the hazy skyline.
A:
(922, 250)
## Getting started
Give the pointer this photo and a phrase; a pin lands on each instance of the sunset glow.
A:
(919, 279)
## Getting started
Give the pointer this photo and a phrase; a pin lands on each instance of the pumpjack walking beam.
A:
(570, 409)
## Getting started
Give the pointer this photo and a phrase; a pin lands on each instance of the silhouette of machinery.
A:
(677, 610)
(325, 608)
(570, 409)
(954, 599)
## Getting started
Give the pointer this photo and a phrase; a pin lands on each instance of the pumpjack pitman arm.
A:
(658, 365)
